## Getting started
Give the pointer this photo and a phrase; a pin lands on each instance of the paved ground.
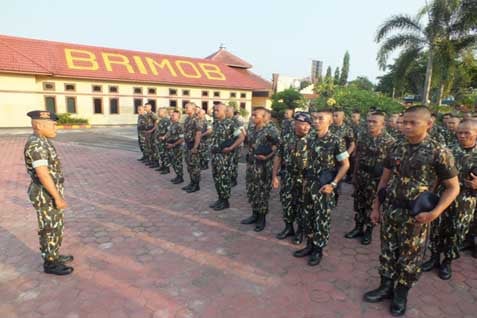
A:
(144, 248)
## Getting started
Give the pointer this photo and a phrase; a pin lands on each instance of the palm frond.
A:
(398, 41)
(398, 22)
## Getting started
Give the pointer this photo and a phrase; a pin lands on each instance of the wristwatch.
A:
(334, 184)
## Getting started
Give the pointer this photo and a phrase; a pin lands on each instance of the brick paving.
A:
(144, 248)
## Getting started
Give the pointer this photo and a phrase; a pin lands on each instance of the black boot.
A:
(187, 187)
(286, 232)
(384, 291)
(298, 238)
(213, 205)
(356, 232)
(445, 270)
(433, 262)
(195, 187)
(399, 303)
(57, 268)
(65, 258)
(165, 170)
(223, 204)
(141, 159)
(261, 222)
(367, 236)
(315, 256)
(305, 251)
(177, 180)
(160, 168)
(251, 219)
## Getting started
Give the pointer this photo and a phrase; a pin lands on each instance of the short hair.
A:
(356, 111)
(148, 103)
(175, 111)
(418, 108)
(378, 113)
(337, 110)
(324, 110)
(259, 108)
(236, 112)
(447, 114)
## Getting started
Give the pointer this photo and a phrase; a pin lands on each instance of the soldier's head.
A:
(220, 111)
(453, 123)
(338, 117)
(147, 107)
(467, 133)
(375, 122)
(200, 113)
(288, 114)
(259, 116)
(399, 122)
(416, 121)
(140, 110)
(162, 112)
(322, 119)
(43, 123)
(356, 116)
(175, 116)
(446, 117)
(392, 120)
(229, 111)
(189, 109)
(170, 111)
(302, 123)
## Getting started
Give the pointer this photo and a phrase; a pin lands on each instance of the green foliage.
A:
(304, 84)
(336, 79)
(287, 99)
(345, 70)
(66, 119)
(362, 82)
(328, 75)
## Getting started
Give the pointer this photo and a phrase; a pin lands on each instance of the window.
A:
(50, 103)
(216, 94)
(233, 95)
(185, 102)
(98, 105)
(71, 105)
(172, 91)
(114, 106)
(70, 87)
(113, 89)
(185, 92)
(48, 86)
(243, 95)
(137, 103)
(151, 91)
(216, 102)
(97, 88)
(243, 105)
(205, 93)
(205, 106)
(137, 90)
(153, 104)
(172, 103)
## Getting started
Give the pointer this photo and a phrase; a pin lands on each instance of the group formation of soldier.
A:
(405, 154)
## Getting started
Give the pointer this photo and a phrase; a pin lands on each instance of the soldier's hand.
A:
(426, 217)
(327, 189)
(194, 150)
(375, 216)
(61, 203)
(227, 150)
(276, 182)
(261, 157)
(472, 182)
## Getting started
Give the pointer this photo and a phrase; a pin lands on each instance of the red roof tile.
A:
(224, 56)
(47, 57)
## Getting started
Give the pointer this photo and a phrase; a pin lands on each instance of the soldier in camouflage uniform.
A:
(235, 116)
(226, 137)
(263, 136)
(449, 230)
(204, 147)
(151, 124)
(371, 150)
(174, 139)
(46, 190)
(289, 167)
(160, 152)
(287, 125)
(192, 134)
(452, 124)
(327, 155)
(412, 166)
(358, 128)
(391, 125)
(436, 131)
(141, 127)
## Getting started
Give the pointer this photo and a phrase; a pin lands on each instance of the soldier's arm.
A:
(197, 137)
(351, 148)
(47, 182)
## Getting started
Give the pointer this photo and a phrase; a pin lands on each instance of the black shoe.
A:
(222, 205)
(399, 302)
(445, 270)
(298, 238)
(57, 268)
(368, 236)
(213, 205)
(234, 183)
(160, 168)
(204, 167)
(195, 187)
(141, 159)
(356, 232)
(65, 258)
(433, 262)
(260, 224)
(305, 251)
(154, 165)
(315, 256)
(165, 171)
(384, 291)
(251, 219)
(187, 187)
(177, 180)
(286, 232)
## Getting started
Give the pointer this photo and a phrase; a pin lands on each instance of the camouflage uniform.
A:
(324, 154)
(224, 130)
(345, 133)
(39, 151)
(371, 152)
(287, 129)
(415, 168)
(149, 148)
(259, 173)
(436, 134)
(449, 230)
(237, 152)
(204, 147)
(174, 133)
(160, 145)
(191, 126)
(141, 135)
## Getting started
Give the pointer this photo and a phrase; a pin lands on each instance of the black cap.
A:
(42, 114)
(304, 117)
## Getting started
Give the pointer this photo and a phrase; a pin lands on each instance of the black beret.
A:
(304, 117)
(42, 114)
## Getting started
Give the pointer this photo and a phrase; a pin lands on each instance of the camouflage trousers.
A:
(149, 147)
(221, 172)
(50, 221)
(258, 183)
(204, 153)
(291, 197)
(403, 242)
(160, 153)
(175, 159)
(317, 214)
(141, 138)
(364, 193)
(235, 161)
(193, 165)
(449, 230)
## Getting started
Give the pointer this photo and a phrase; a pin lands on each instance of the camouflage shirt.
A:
(191, 126)
(358, 129)
(141, 122)
(417, 168)
(372, 151)
(39, 151)
(325, 153)
(151, 119)
(224, 130)
(163, 126)
(435, 133)
(465, 161)
(294, 154)
(287, 129)
(343, 132)
(267, 135)
(174, 132)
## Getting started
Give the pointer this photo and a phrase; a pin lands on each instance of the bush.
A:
(66, 119)
(287, 99)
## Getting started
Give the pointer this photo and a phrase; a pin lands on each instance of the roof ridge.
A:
(28, 58)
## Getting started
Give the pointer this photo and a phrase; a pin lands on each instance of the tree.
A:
(362, 82)
(336, 79)
(328, 74)
(344, 70)
(304, 84)
(286, 99)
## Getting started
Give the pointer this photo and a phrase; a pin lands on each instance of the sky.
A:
(274, 36)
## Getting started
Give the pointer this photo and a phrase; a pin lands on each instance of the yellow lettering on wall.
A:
(81, 60)
(165, 63)
(119, 59)
(195, 74)
(212, 71)
(140, 65)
